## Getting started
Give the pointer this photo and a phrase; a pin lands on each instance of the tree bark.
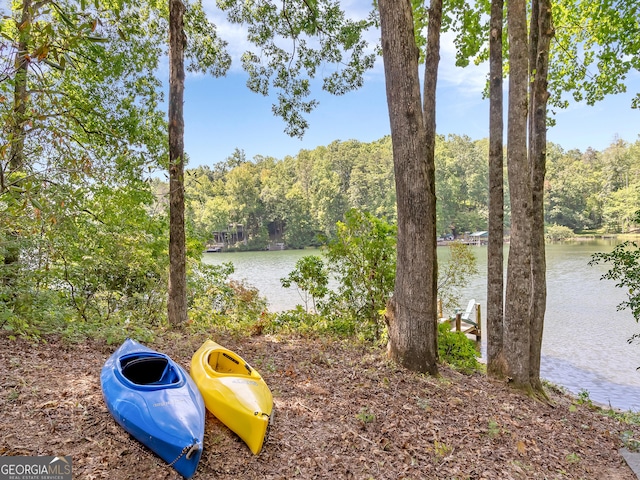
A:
(11, 248)
(541, 32)
(516, 339)
(21, 64)
(411, 312)
(432, 60)
(177, 299)
(495, 251)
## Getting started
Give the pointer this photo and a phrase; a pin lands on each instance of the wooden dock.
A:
(467, 322)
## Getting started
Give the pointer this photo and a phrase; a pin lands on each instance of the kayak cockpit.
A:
(222, 362)
(149, 370)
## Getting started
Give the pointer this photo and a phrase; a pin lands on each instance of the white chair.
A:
(466, 316)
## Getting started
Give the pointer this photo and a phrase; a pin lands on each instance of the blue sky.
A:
(222, 114)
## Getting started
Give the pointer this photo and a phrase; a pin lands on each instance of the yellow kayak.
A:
(234, 392)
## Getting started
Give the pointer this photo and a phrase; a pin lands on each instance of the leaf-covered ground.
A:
(343, 412)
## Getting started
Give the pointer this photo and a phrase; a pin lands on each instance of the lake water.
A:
(585, 338)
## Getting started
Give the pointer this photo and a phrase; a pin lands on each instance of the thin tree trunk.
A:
(177, 301)
(432, 60)
(411, 312)
(541, 23)
(21, 63)
(11, 250)
(495, 251)
(516, 340)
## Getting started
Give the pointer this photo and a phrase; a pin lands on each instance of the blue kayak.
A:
(156, 401)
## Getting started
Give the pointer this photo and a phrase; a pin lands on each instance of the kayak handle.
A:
(186, 452)
(194, 448)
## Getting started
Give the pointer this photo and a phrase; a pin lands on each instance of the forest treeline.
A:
(95, 253)
(254, 204)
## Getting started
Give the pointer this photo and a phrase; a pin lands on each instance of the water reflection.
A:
(600, 389)
(585, 338)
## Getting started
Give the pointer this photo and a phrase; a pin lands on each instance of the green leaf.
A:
(36, 203)
(53, 64)
(98, 39)
(63, 15)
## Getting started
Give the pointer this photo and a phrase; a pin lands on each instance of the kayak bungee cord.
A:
(189, 450)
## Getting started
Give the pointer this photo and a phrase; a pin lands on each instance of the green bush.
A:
(311, 278)
(457, 350)
(302, 322)
(298, 320)
(362, 258)
(215, 301)
(362, 261)
(558, 233)
(31, 312)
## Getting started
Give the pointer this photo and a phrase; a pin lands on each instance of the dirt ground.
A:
(343, 412)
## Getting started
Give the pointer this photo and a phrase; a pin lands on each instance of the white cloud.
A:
(470, 80)
(234, 34)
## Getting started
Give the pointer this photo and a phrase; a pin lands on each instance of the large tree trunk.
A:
(495, 251)
(411, 312)
(540, 38)
(177, 301)
(517, 339)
